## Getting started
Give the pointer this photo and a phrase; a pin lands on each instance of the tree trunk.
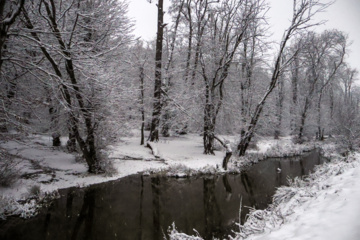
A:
(154, 130)
(302, 120)
(196, 61)
(56, 139)
(6, 20)
(242, 110)
(320, 135)
(188, 58)
(279, 109)
(142, 93)
(244, 143)
(331, 102)
(208, 141)
(168, 75)
(209, 124)
(294, 85)
(3, 35)
(226, 160)
(200, 31)
(305, 109)
(71, 143)
(208, 137)
(190, 37)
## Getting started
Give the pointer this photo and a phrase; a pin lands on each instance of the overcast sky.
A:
(343, 15)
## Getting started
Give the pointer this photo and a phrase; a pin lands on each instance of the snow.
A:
(52, 168)
(326, 208)
(332, 214)
(186, 150)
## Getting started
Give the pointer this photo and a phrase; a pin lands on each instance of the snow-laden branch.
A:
(12, 16)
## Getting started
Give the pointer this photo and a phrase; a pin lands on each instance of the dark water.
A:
(139, 207)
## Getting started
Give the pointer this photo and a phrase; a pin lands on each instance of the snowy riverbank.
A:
(326, 207)
(323, 206)
(44, 170)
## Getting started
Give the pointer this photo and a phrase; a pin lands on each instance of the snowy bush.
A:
(288, 149)
(26, 208)
(183, 171)
(9, 206)
(29, 209)
(34, 191)
(8, 172)
(210, 170)
(177, 170)
(107, 165)
(175, 235)
(255, 223)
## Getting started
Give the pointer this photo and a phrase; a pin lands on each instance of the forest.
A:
(72, 70)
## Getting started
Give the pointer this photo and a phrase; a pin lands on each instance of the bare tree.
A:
(187, 12)
(250, 61)
(141, 58)
(168, 69)
(74, 37)
(347, 115)
(155, 122)
(216, 57)
(279, 107)
(335, 61)
(303, 11)
(294, 73)
(322, 55)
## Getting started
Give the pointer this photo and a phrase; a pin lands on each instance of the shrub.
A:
(106, 164)
(8, 172)
(34, 190)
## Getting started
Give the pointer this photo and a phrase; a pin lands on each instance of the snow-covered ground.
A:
(48, 168)
(325, 209)
(330, 212)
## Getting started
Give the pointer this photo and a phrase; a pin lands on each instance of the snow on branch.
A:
(10, 19)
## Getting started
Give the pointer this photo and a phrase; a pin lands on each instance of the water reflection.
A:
(211, 208)
(155, 187)
(140, 207)
(86, 215)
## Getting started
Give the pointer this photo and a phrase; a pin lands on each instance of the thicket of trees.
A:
(72, 67)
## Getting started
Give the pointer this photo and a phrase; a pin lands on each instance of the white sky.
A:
(343, 15)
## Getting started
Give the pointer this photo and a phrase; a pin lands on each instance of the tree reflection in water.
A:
(139, 207)
(155, 187)
(86, 214)
(211, 208)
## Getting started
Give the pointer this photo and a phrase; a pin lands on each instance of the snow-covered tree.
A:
(75, 41)
(303, 12)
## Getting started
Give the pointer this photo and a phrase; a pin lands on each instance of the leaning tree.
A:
(303, 13)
